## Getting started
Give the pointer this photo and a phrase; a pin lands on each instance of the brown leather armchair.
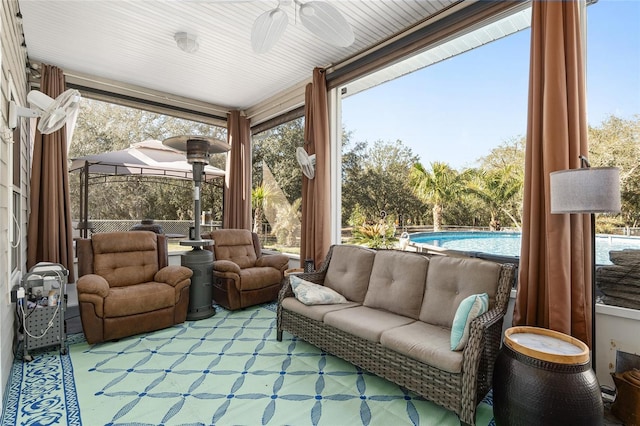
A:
(242, 275)
(125, 286)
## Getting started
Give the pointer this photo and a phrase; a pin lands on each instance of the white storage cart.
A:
(41, 311)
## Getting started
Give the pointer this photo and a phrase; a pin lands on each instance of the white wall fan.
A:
(53, 113)
(307, 162)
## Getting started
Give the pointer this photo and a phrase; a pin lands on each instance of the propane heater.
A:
(198, 150)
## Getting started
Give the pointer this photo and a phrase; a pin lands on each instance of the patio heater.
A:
(198, 150)
(589, 191)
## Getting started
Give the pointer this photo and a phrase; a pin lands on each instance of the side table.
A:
(544, 377)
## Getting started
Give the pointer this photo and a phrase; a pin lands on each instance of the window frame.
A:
(15, 199)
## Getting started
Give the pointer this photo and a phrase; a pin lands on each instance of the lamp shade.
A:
(586, 190)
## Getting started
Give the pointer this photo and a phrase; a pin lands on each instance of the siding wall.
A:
(12, 77)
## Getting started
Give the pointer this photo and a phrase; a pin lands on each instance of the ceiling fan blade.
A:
(327, 23)
(268, 29)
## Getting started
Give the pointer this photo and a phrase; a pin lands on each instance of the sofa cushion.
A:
(364, 322)
(349, 271)
(125, 258)
(314, 294)
(470, 308)
(450, 280)
(426, 343)
(397, 282)
(141, 298)
(314, 312)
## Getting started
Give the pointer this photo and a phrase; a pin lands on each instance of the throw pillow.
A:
(314, 294)
(468, 310)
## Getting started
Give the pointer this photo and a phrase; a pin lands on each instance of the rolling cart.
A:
(41, 310)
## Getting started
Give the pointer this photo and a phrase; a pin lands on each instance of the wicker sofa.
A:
(397, 320)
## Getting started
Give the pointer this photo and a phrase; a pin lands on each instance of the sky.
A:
(456, 111)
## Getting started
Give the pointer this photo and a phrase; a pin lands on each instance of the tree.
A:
(507, 158)
(276, 148)
(497, 188)
(259, 196)
(438, 186)
(376, 180)
(616, 143)
(509, 153)
(104, 127)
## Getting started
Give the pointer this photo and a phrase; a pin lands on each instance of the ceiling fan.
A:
(53, 113)
(321, 18)
(307, 162)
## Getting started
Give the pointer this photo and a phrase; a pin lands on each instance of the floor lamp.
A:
(588, 190)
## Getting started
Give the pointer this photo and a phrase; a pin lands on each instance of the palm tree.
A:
(259, 196)
(376, 235)
(437, 186)
(499, 189)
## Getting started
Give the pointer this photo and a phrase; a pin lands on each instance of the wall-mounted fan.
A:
(53, 113)
(307, 162)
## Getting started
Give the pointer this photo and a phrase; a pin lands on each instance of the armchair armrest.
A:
(226, 266)
(278, 261)
(173, 275)
(481, 351)
(285, 290)
(93, 284)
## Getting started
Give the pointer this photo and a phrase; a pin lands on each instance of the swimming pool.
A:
(508, 243)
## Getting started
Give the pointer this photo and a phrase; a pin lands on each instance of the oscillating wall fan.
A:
(53, 113)
(307, 162)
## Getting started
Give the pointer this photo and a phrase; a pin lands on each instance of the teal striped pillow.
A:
(468, 310)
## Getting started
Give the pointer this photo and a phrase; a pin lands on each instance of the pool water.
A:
(508, 243)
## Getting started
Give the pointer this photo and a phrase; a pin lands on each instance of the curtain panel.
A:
(316, 209)
(554, 288)
(50, 230)
(237, 197)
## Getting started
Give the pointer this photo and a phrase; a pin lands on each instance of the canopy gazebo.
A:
(146, 158)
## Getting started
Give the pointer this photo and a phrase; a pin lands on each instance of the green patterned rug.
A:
(225, 370)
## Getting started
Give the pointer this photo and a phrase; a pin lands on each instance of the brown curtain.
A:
(237, 190)
(555, 260)
(50, 231)
(316, 209)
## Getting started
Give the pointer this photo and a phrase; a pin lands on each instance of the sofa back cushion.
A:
(349, 271)
(452, 279)
(125, 258)
(235, 245)
(397, 282)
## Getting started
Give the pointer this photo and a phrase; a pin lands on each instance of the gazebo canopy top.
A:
(148, 158)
